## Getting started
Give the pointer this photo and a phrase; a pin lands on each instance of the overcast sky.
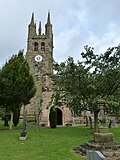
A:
(76, 23)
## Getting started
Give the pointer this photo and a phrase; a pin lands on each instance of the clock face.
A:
(38, 58)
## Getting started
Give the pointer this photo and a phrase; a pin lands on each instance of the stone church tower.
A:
(40, 58)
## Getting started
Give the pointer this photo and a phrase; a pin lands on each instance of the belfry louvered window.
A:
(43, 46)
(35, 46)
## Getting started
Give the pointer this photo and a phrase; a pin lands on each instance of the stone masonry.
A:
(40, 58)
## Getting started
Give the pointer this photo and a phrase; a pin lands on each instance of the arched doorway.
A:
(59, 116)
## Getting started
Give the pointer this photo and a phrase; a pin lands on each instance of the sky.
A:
(76, 23)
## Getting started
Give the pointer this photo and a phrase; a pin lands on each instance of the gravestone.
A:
(95, 155)
(103, 136)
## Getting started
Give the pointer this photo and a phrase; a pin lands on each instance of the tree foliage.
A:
(68, 89)
(80, 85)
(16, 83)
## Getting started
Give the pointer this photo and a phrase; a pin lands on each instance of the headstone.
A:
(23, 135)
(102, 115)
(95, 155)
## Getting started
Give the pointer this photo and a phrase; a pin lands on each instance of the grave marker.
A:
(95, 155)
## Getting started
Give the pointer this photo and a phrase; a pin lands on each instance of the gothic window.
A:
(35, 46)
(43, 46)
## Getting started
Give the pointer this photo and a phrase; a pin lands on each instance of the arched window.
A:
(35, 46)
(43, 46)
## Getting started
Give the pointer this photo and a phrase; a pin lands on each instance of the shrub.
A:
(53, 117)
(16, 116)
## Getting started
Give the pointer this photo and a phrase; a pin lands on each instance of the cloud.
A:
(75, 24)
(95, 24)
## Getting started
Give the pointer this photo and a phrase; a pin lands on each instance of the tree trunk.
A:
(38, 118)
(35, 119)
(11, 121)
(38, 121)
(86, 119)
(6, 120)
(110, 123)
(90, 119)
(96, 129)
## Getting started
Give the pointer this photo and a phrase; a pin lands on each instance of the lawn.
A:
(46, 144)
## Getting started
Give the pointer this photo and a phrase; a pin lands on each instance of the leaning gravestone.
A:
(95, 155)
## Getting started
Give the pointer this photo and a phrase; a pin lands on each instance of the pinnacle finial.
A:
(32, 19)
(40, 29)
(48, 19)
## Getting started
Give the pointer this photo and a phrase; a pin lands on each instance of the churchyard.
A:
(47, 143)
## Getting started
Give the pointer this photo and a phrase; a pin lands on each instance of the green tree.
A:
(53, 117)
(17, 84)
(105, 70)
(16, 116)
(81, 85)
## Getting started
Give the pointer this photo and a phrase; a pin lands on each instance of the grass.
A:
(46, 144)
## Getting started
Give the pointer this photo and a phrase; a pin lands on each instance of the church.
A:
(40, 59)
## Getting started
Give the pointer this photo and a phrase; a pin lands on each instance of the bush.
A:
(6, 118)
(53, 117)
(16, 116)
